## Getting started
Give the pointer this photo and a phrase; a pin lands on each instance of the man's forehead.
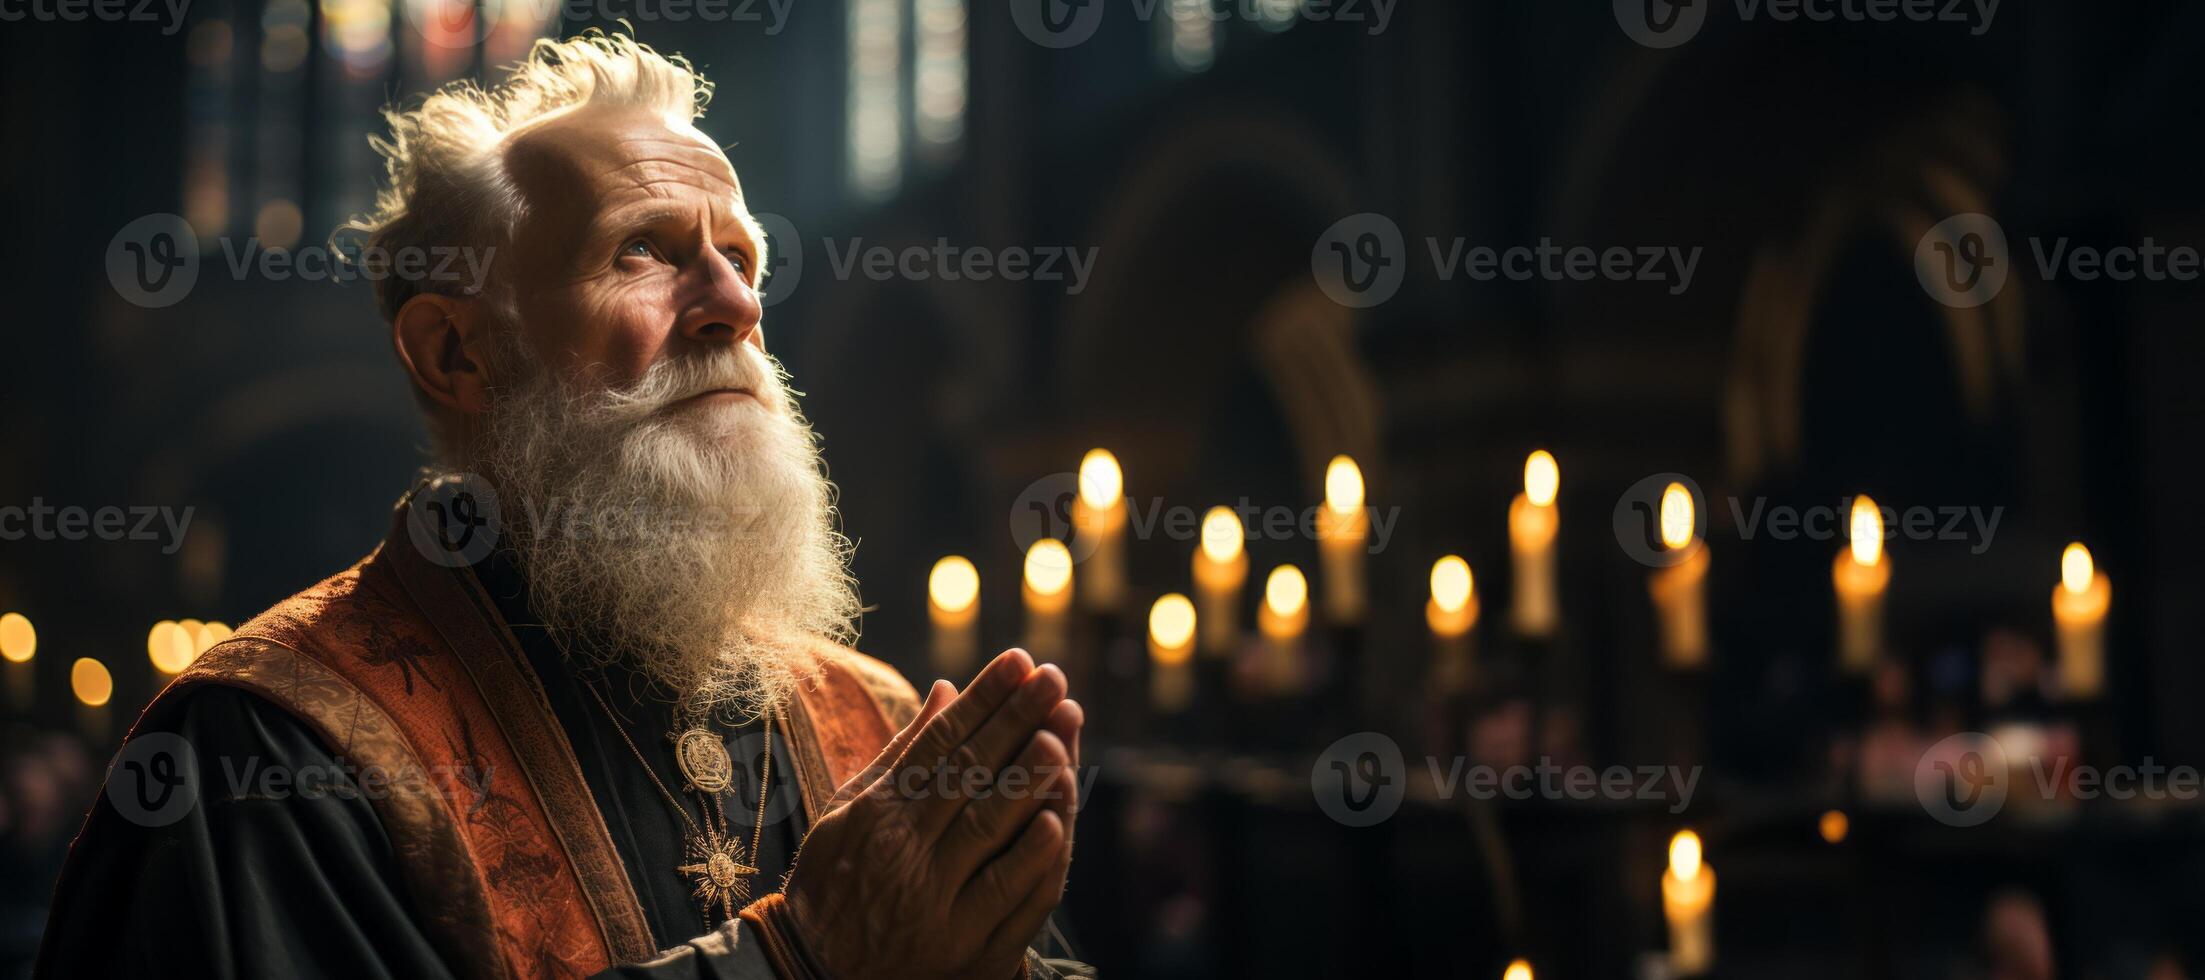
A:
(614, 150)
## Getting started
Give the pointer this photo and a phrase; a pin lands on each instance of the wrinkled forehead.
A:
(572, 167)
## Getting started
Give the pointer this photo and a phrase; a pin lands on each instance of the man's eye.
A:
(736, 258)
(640, 248)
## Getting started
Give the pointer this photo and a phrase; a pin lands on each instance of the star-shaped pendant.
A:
(723, 880)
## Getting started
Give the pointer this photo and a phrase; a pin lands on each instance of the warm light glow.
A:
(1222, 535)
(279, 223)
(1451, 583)
(1676, 517)
(90, 680)
(1518, 970)
(1542, 478)
(954, 585)
(1171, 622)
(1102, 483)
(1684, 855)
(1867, 531)
(169, 647)
(1286, 591)
(18, 640)
(1834, 825)
(1343, 485)
(215, 632)
(2076, 569)
(1048, 567)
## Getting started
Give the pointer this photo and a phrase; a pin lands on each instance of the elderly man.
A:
(586, 710)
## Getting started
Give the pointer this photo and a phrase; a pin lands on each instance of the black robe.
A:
(303, 883)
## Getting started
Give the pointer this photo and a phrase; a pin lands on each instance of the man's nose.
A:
(718, 304)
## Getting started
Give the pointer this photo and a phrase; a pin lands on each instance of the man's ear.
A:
(440, 340)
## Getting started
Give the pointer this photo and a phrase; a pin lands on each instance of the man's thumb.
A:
(938, 697)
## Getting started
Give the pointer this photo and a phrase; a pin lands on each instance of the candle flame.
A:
(2076, 569)
(1518, 970)
(1834, 826)
(1171, 621)
(1048, 567)
(1676, 517)
(18, 640)
(91, 682)
(1684, 855)
(1451, 583)
(169, 647)
(1343, 485)
(1222, 535)
(1102, 483)
(1867, 528)
(1542, 478)
(1286, 591)
(954, 585)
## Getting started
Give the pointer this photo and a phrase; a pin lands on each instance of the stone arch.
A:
(1222, 214)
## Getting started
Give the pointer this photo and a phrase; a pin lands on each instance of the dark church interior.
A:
(1732, 284)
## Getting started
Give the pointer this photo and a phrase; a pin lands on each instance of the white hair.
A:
(444, 165)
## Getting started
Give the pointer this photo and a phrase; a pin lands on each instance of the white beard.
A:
(695, 544)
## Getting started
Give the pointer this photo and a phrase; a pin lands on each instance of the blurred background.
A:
(1888, 219)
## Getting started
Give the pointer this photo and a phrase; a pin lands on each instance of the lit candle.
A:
(215, 632)
(1451, 612)
(1342, 527)
(1834, 825)
(2078, 612)
(1518, 969)
(170, 650)
(1282, 619)
(1679, 590)
(1220, 568)
(1533, 521)
(953, 604)
(1099, 518)
(1170, 648)
(18, 644)
(94, 687)
(1862, 574)
(1048, 592)
(1688, 902)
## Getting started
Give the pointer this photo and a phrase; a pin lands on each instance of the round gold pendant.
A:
(723, 869)
(703, 760)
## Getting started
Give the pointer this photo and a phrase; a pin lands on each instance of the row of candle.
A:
(171, 646)
(1861, 576)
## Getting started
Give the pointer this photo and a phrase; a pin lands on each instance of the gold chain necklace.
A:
(716, 860)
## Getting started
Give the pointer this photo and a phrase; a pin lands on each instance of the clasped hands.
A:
(945, 856)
